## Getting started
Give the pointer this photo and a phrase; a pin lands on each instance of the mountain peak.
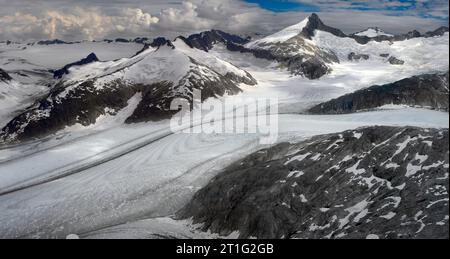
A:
(314, 17)
(372, 32)
(315, 23)
(65, 70)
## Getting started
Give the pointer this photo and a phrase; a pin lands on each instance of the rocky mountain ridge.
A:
(375, 182)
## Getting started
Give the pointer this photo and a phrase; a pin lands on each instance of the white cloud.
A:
(78, 24)
(184, 19)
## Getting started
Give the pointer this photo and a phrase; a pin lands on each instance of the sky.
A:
(70, 20)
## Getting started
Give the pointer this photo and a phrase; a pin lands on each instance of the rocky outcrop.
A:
(156, 43)
(357, 57)
(407, 36)
(395, 61)
(4, 76)
(378, 182)
(65, 70)
(121, 40)
(312, 68)
(207, 39)
(438, 32)
(52, 42)
(430, 90)
(160, 41)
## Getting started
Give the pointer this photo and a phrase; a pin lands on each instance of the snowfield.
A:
(112, 180)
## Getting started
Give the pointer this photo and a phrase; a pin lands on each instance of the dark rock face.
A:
(438, 32)
(407, 36)
(4, 76)
(381, 182)
(431, 90)
(121, 40)
(312, 68)
(156, 43)
(315, 23)
(160, 41)
(83, 105)
(52, 42)
(357, 57)
(384, 55)
(141, 40)
(65, 70)
(396, 61)
(206, 40)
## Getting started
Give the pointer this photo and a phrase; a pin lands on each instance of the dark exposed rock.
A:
(356, 57)
(121, 40)
(206, 40)
(4, 76)
(396, 61)
(312, 68)
(141, 40)
(384, 55)
(407, 36)
(383, 182)
(156, 43)
(430, 90)
(314, 23)
(65, 70)
(52, 42)
(160, 41)
(438, 32)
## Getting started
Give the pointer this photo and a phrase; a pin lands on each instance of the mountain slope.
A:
(15, 95)
(378, 182)
(430, 90)
(104, 88)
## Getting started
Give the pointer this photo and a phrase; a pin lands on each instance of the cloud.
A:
(184, 19)
(78, 24)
